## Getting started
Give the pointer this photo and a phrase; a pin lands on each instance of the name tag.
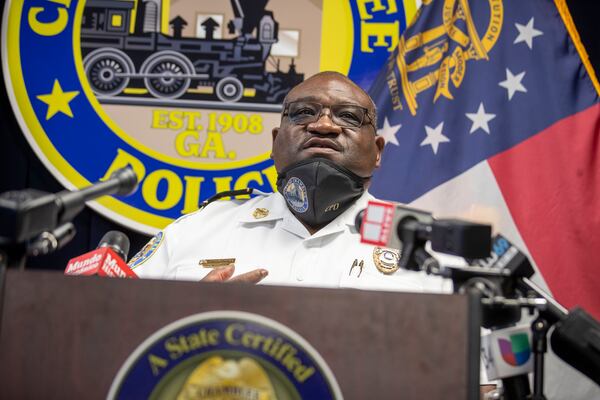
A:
(216, 262)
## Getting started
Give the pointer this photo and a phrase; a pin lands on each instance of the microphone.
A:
(108, 259)
(506, 256)
(392, 225)
(27, 214)
(507, 352)
(576, 340)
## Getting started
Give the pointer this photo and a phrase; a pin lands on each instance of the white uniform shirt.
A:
(277, 242)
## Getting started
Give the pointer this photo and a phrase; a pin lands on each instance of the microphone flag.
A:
(102, 261)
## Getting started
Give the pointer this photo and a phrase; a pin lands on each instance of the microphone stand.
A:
(34, 222)
(539, 329)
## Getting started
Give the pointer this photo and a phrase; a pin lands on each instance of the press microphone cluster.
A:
(108, 259)
(500, 273)
(511, 352)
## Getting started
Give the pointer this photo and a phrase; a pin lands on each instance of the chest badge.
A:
(386, 260)
(260, 213)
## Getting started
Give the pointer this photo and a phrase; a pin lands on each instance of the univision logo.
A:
(515, 351)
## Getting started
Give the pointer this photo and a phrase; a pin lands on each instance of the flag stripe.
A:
(551, 185)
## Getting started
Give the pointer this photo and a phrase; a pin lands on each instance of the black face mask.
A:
(317, 190)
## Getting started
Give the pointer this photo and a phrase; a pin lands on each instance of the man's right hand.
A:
(224, 274)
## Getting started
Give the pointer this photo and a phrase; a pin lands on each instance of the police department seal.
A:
(100, 84)
(294, 192)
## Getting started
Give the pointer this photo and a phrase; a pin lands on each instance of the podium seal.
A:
(225, 355)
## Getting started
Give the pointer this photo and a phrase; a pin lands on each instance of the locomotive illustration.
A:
(125, 53)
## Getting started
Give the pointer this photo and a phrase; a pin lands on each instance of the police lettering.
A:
(189, 188)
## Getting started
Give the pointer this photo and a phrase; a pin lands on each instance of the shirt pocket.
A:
(374, 280)
(190, 272)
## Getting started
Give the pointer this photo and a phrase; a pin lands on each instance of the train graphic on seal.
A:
(125, 55)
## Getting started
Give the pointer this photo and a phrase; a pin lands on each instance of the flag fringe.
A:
(563, 9)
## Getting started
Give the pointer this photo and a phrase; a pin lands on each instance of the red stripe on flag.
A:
(551, 185)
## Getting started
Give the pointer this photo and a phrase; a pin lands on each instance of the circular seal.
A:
(294, 192)
(386, 260)
(225, 355)
(97, 85)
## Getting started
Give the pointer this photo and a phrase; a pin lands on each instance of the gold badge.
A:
(386, 260)
(260, 213)
(219, 378)
(216, 262)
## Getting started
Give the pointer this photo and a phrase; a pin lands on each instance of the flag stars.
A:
(480, 119)
(513, 83)
(527, 33)
(58, 101)
(388, 132)
(434, 137)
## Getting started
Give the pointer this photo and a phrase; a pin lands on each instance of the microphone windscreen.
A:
(358, 220)
(117, 241)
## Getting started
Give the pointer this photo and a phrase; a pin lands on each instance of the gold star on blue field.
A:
(58, 101)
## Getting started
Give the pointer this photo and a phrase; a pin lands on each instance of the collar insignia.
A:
(260, 213)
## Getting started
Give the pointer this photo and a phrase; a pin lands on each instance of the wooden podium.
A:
(66, 337)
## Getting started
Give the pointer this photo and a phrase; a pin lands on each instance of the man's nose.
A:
(324, 124)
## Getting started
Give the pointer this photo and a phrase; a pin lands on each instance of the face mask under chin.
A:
(317, 190)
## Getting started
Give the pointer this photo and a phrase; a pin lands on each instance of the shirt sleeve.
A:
(152, 261)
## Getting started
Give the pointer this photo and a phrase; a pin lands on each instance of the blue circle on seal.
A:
(295, 194)
(225, 355)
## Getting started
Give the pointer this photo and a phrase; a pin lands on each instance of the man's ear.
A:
(380, 143)
(274, 133)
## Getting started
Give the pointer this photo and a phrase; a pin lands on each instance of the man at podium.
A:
(325, 151)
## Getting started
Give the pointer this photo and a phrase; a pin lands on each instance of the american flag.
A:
(491, 111)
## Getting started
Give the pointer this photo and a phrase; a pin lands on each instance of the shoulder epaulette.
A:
(227, 193)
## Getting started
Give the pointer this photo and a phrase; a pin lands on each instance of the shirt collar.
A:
(277, 209)
(274, 204)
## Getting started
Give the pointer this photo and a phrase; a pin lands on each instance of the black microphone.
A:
(117, 241)
(25, 215)
(122, 182)
(576, 340)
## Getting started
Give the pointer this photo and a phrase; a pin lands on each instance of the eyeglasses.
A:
(343, 115)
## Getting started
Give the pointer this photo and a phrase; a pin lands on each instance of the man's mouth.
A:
(321, 143)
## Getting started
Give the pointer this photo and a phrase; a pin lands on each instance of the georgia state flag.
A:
(491, 110)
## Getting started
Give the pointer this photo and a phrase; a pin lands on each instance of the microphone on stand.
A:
(108, 259)
(48, 242)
